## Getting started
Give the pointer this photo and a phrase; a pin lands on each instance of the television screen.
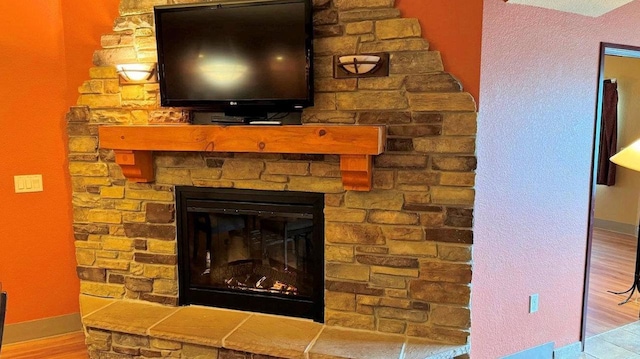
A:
(226, 57)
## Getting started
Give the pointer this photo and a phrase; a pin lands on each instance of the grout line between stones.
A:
(223, 342)
(313, 342)
(148, 331)
(99, 309)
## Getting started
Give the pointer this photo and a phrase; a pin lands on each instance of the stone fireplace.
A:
(397, 258)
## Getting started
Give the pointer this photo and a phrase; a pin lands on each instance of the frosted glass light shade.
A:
(359, 64)
(629, 157)
(135, 72)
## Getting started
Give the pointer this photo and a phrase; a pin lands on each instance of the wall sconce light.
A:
(359, 64)
(132, 73)
(368, 65)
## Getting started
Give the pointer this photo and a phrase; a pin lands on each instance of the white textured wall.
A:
(538, 97)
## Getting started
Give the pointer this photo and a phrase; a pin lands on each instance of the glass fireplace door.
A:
(254, 251)
(240, 251)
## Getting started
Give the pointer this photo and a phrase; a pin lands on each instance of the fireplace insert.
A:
(251, 250)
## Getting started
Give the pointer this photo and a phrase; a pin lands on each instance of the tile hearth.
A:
(200, 332)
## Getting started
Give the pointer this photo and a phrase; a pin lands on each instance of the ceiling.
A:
(593, 8)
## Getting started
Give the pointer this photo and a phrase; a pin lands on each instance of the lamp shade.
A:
(629, 157)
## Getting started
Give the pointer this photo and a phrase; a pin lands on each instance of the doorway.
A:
(614, 207)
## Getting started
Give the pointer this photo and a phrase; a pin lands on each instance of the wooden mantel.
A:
(356, 145)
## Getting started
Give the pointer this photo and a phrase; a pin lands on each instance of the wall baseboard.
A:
(571, 351)
(42, 328)
(544, 351)
(624, 228)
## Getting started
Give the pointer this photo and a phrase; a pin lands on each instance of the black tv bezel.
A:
(238, 107)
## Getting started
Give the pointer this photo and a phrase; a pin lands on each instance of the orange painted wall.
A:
(453, 27)
(37, 262)
(84, 23)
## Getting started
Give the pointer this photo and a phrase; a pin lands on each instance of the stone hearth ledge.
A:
(276, 336)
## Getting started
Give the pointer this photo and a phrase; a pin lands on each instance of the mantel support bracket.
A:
(356, 172)
(137, 166)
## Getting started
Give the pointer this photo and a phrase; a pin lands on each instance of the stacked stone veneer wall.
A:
(398, 258)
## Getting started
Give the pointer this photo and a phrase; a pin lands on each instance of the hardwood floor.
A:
(69, 346)
(612, 264)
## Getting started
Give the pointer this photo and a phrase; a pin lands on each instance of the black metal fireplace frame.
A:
(295, 202)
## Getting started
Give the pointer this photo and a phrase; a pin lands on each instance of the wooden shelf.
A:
(356, 145)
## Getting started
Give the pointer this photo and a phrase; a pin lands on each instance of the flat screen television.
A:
(243, 59)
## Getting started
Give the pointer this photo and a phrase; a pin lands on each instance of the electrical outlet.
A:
(28, 183)
(533, 303)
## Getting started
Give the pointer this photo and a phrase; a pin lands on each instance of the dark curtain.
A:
(608, 134)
